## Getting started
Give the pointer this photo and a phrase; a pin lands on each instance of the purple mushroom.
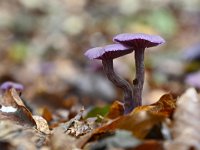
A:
(138, 42)
(9, 84)
(193, 79)
(107, 54)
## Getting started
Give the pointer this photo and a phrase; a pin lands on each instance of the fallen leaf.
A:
(82, 141)
(70, 123)
(121, 139)
(150, 145)
(138, 123)
(21, 136)
(116, 110)
(13, 108)
(78, 126)
(60, 141)
(70, 102)
(165, 106)
(47, 115)
(42, 124)
(186, 129)
(141, 120)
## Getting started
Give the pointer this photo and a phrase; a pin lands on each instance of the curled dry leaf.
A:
(77, 126)
(46, 114)
(42, 124)
(116, 110)
(13, 108)
(21, 137)
(138, 123)
(186, 129)
(165, 106)
(141, 120)
(59, 140)
(70, 123)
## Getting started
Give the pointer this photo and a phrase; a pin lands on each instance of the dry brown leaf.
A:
(11, 98)
(141, 120)
(186, 129)
(165, 106)
(80, 143)
(21, 137)
(16, 97)
(77, 126)
(42, 124)
(47, 115)
(60, 141)
(70, 102)
(116, 110)
(150, 145)
(13, 108)
(138, 123)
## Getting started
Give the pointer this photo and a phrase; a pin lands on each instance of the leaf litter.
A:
(111, 131)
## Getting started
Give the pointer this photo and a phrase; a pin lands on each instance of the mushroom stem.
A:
(139, 77)
(129, 104)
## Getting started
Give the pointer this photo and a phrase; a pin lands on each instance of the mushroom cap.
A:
(108, 52)
(193, 79)
(138, 40)
(8, 85)
(94, 53)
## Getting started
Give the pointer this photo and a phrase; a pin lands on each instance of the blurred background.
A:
(42, 45)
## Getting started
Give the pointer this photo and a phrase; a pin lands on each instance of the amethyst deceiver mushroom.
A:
(9, 84)
(107, 54)
(193, 79)
(138, 42)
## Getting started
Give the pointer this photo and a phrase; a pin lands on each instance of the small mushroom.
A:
(138, 42)
(193, 79)
(9, 84)
(107, 54)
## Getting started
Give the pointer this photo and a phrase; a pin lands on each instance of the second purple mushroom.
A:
(107, 54)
